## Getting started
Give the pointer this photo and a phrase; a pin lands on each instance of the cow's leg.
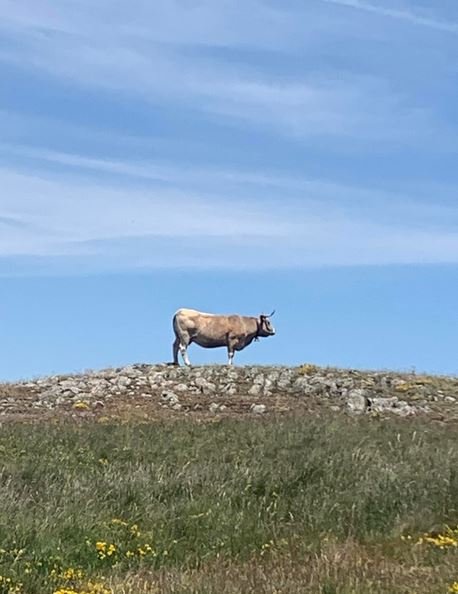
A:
(183, 340)
(230, 350)
(230, 356)
(179, 346)
(184, 354)
(176, 347)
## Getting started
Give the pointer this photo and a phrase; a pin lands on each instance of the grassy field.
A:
(332, 505)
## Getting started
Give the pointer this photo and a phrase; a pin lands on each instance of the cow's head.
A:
(265, 325)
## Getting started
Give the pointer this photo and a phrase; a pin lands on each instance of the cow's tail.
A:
(176, 342)
(175, 325)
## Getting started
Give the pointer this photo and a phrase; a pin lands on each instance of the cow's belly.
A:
(209, 343)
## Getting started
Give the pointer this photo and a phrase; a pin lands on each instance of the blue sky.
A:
(229, 156)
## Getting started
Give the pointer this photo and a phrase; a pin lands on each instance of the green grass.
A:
(215, 502)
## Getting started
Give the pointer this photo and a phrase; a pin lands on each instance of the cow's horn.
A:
(270, 315)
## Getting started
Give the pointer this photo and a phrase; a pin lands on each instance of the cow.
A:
(210, 331)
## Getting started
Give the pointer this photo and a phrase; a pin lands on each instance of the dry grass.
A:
(310, 504)
(338, 568)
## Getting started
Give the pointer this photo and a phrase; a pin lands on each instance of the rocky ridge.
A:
(152, 391)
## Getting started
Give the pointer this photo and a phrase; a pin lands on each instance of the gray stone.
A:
(259, 380)
(302, 383)
(124, 381)
(255, 390)
(268, 384)
(403, 409)
(229, 389)
(170, 397)
(258, 409)
(383, 404)
(273, 376)
(357, 401)
(205, 386)
(352, 390)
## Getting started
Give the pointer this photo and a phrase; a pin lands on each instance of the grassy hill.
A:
(309, 495)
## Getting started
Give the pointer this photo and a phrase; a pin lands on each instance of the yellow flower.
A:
(442, 541)
(72, 574)
(80, 405)
(453, 588)
(147, 549)
(7, 585)
(101, 549)
(308, 369)
(91, 588)
(105, 550)
(119, 522)
(111, 549)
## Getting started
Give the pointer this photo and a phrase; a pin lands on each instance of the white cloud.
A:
(115, 211)
(363, 107)
(180, 22)
(150, 52)
(58, 215)
(297, 192)
(395, 13)
(112, 225)
(359, 107)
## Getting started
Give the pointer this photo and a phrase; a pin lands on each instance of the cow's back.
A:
(205, 328)
(192, 321)
(191, 317)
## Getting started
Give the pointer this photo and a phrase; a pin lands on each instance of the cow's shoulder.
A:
(233, 318)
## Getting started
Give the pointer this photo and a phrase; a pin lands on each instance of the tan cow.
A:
(210, 331)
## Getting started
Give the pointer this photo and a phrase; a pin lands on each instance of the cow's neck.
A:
(258, 330)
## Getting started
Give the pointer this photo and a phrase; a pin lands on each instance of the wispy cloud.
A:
(403, 15)
(225, 70)
(363, 107)
(359, 107)
(100, 222)
(56, 214)
(163, 64)
(203, 23)
(241, 185)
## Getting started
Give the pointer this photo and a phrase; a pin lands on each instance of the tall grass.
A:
(177, 499)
